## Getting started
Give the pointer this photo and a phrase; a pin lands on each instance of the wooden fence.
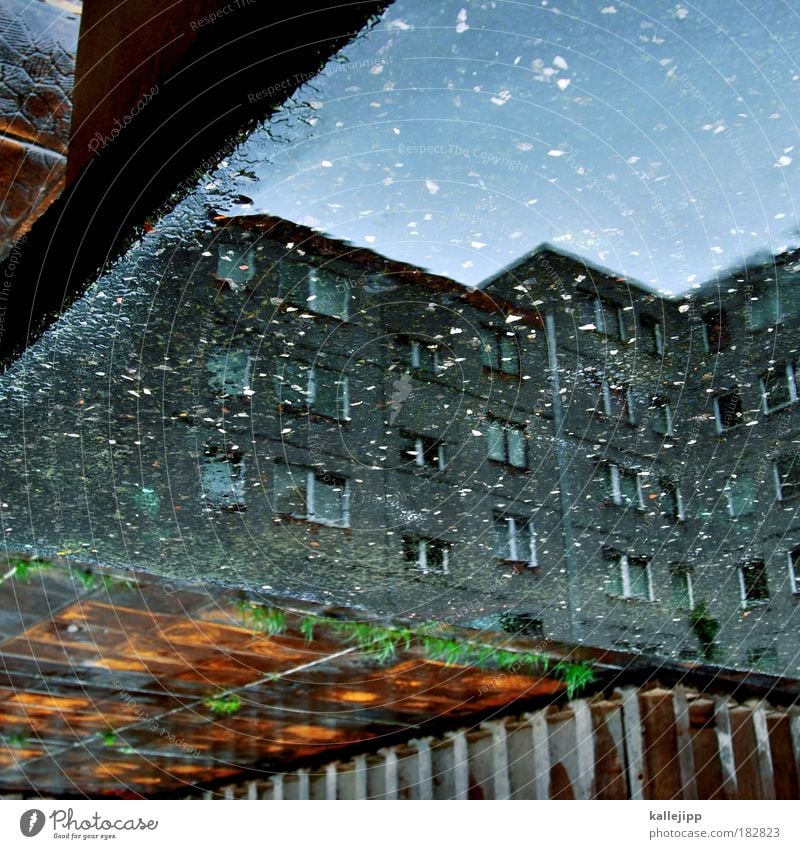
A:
(651, 743)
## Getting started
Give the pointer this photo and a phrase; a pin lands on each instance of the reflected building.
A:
(560, 451)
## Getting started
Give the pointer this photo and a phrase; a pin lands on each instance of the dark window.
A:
(422, 450)
(673, 500)
(681, 586)
(753, 582)
(318, 290)
(765, 309)
(499, 350)
(506, 443)
(661, 416)
(778, 387)
(609, 318)
(628, 577)
(615, 400)
(424, 356)
(514, 539)
(235, 265)
(794, 569)
(741, 495)
(328, 394)
(764, 658)
(622, 486)
(300, 387)
(787, 477)
(229, 373)
(715, 331)
(624, 323)
(428, 555)
(652, 335)
(222, 479)
(314, 496)
(728, 410)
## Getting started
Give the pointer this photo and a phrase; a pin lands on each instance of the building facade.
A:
(560, 451)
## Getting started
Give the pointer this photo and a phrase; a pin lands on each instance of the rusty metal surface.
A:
(83, 659)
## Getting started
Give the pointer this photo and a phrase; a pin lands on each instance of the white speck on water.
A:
(502, 98)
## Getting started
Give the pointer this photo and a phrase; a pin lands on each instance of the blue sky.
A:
(657, 139)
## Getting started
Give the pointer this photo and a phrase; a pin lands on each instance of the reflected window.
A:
(499, 350)
(230, 373)
(753, 582)
(506, 443)
(292, 383)
(728, 412)
(652, 335)
(424, 356)
(764, 658)
(319, 290)
(613, 320)
(616, 400)
(763, 310)
(428, 555)
(741, 494)
(302, 493)
(794, 569)
(235, 264)
(778, 387)
(625, 327)
(222, 479)
(623, 486)
(787, 477)
(422, 450)
(681, 586)
(661, 416)
(628, 577)
(775, 304)
(673, 500)
(328, 394)
(716, 336)
(514, 539)
(317, 390)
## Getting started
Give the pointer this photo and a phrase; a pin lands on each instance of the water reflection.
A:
(654, 139)
(268, 406)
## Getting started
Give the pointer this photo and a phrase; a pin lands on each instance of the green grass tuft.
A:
(224, 704)
(267, 620)
(383, 643)
(575, 675)
(25, 569)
